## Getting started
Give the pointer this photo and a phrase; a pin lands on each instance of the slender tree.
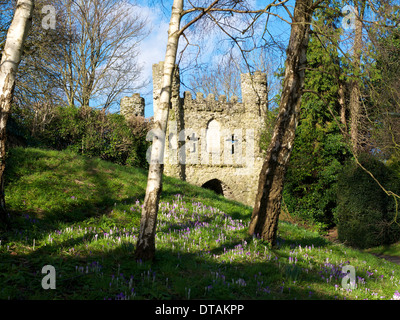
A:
(383, 87)
(145, 249)
(221, 78)
(11, 58)
(265, 216)
(38, 90)
(99, 58)
(146, 243)
(354, 85)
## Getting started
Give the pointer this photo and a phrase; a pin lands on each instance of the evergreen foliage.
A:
(320, 149)
(366, 215)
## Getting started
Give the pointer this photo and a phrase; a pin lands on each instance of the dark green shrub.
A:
(93, 133)
(311, 179)
(365, 213)
(124, 141)
(319, 150)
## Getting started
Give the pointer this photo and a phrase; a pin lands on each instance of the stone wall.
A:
(132, 106)
(215, 141)
(237, 163)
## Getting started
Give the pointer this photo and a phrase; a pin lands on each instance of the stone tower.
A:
(132, 106)
(214, 143)
(175, 121)
(255, 92)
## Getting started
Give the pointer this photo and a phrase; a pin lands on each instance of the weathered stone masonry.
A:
(212, 142)
(132, 106)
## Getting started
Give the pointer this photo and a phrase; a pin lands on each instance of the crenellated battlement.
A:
(254, 97)
(212, 104)
(212, 139)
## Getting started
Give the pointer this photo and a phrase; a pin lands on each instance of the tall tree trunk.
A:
(342, 104)
(264, 220)
(145, 249)
(10, 60)
(355, 92)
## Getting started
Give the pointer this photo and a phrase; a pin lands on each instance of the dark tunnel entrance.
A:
(214, 185)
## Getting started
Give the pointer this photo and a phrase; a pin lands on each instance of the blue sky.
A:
(152, 49)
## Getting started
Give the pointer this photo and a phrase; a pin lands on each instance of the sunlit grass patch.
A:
(85, 222)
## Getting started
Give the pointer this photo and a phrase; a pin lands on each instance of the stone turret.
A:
(255, 92)
(213, 141)
(157, 86)
(175, 121)
(132, 106)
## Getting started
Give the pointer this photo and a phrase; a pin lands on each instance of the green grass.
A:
(389, 250)
(81, 216)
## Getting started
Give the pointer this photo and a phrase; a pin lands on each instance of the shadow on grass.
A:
(102, 196)
(169, 276)
(20, 273)
(315, 241)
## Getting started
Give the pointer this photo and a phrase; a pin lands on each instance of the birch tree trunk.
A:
(265, 216)
(11, 57)
(145, 248)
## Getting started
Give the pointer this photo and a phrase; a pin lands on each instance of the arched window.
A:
(213, 137)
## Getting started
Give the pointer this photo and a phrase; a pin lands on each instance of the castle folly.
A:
(213, 143)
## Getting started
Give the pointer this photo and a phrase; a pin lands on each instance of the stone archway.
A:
(214, 185)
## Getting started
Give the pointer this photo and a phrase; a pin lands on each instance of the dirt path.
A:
(394, 259)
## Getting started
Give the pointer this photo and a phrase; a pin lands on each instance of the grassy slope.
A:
(82, 215)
